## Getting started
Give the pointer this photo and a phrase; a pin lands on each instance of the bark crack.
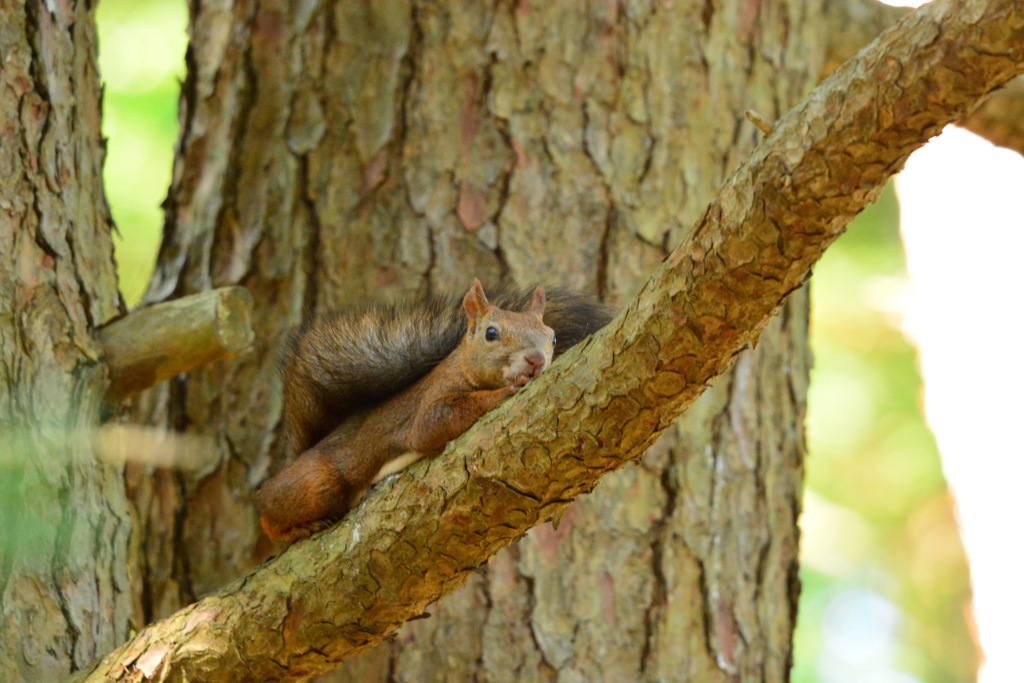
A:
(662, 535)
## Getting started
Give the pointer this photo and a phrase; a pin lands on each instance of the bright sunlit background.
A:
(885, 581)
(962, 224)
(886, 594)
(142, 62)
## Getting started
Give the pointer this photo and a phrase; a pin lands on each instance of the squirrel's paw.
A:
(518, 382)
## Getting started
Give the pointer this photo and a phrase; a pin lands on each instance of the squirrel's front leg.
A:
(453, 414)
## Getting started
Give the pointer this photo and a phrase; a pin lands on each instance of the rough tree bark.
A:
(64, 520)
(852, 24)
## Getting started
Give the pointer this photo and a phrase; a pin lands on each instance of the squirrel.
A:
(369, 392)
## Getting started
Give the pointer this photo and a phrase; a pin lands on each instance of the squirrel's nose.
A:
(536, 361)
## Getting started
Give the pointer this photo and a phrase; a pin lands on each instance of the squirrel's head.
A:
(508, 348)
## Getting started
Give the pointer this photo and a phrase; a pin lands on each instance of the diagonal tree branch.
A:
(417, 536)
(852, 24)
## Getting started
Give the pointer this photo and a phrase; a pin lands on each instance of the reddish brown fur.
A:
(331, 477)
(346, 362)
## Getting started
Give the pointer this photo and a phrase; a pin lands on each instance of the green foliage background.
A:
(142, 63)
(885, 585)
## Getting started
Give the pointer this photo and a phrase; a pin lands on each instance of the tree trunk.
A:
(371, 150)
(65, 592)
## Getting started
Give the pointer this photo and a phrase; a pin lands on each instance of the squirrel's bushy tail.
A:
(346, 362)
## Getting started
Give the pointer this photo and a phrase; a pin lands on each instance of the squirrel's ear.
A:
(538, 302)
(476, 304)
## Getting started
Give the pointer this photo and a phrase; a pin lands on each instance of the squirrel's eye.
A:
(554, 340)
(491, 334)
